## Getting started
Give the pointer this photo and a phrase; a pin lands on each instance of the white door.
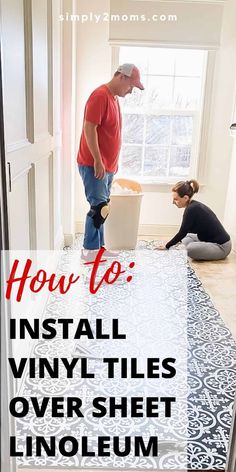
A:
(31, 51)
(31, 67)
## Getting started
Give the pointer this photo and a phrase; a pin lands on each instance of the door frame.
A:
(7, 423)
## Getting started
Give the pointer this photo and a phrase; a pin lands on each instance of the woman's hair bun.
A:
(187, 187)
(194, 184)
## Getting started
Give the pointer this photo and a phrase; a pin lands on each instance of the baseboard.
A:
(157, 230)
(144, 230)
(69, 239)
(233, 239)
(59, 240)
(79, 226)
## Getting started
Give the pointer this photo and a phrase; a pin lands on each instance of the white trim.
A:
(69, 239)
(29, 73)
(163, 44)
(206, 112)
(50, 66)
(69, 62)
(233, 239)
(57, 140)
(144, 230)
(79, 227)
(32, 209)
(157, 230)
(42, 137)
(51, 199)
(155, 186)
(136, 111)
(59, 240)
(201, 130)
(21, 173)
(198, 149)
(232, 132)
(43, 157)
(12, 147)
(114, 57)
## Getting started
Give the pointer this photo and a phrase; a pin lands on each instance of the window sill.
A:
(156, 185)
(153, 186)
(162, 187)
(149, 185)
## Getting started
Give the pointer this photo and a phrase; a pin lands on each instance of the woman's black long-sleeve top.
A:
(202, 221)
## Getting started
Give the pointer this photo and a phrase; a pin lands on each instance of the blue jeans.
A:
(96, 191)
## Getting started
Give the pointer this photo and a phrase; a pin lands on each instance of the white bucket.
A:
(121, 226)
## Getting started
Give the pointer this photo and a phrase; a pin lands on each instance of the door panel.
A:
(31, 41)
(13, 72)
(40, 67)
(31, 47)
(43, 202)
(19, 212)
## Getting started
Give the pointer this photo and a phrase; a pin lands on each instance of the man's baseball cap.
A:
(130, 70)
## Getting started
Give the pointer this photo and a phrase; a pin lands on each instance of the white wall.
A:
(220, 142)
(229, 32)
(192, 19)
(230, 212)
(94, 68)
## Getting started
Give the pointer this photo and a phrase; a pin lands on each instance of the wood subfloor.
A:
(219, 281)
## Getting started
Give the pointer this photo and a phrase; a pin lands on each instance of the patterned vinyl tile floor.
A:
(157, 310)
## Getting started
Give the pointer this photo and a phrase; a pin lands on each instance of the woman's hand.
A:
(161, 247)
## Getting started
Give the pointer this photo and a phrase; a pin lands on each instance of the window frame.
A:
(201, 130)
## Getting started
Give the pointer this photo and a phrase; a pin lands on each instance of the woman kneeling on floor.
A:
(201, 232)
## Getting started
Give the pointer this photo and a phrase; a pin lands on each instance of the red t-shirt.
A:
(102, 109)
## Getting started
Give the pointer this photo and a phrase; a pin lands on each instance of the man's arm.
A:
(90, 131)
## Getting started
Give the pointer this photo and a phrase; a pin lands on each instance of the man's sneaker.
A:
(108, 253)
(89, 255)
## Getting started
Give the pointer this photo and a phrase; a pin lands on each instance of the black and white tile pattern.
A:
(211, 362)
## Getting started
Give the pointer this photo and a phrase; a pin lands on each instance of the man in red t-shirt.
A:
(99, 151)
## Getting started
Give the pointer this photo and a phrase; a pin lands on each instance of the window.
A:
(161, 125)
